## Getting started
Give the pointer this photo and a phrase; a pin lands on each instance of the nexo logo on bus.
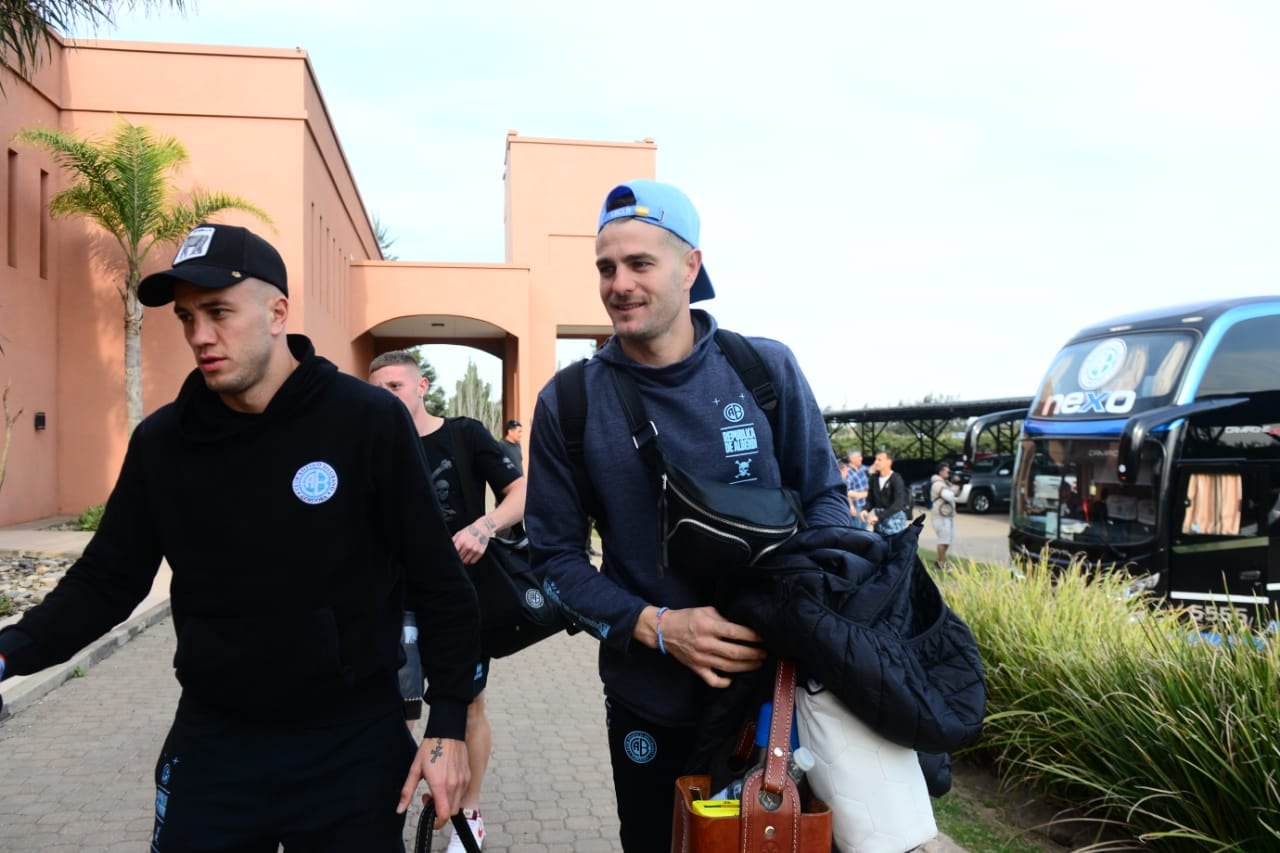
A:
(1102, 363)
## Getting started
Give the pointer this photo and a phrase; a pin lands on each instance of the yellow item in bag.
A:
(716, 808)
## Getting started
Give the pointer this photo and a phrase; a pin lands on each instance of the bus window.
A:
(1116, 376)
(1068, 490)
(1213, 505)
(1245, 361)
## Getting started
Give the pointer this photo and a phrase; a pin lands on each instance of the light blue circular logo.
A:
(734, 413)
(315, 482)
(534, 599)
(1102, 362)
(640, 746)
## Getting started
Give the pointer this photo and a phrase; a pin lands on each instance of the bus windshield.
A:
(1067, 490)
(1115, 376)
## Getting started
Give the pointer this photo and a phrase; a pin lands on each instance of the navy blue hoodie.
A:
(286, 532)
(709, 425)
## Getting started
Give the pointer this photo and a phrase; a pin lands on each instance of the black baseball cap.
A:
(214, 257)
(512, 424)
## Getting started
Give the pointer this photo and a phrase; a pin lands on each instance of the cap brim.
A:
(157, 289)
(701, 287)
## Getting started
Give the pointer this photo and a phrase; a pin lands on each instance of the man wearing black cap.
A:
(293, 505)
(663, 647)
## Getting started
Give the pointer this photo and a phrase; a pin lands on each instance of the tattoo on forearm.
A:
(488, 522)
(480, 537)
(437, 750)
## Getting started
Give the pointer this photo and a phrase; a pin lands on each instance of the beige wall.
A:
(28, 299)
(554, 191)
(256, 125)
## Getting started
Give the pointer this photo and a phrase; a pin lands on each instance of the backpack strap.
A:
(751, 369)
(571, 409)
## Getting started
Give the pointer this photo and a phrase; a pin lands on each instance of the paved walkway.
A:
(77, 761)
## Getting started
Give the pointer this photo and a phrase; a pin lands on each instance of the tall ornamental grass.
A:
(1123, 711)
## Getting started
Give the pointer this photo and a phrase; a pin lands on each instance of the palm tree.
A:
(385, 241)
(124, 184)
(25, 25)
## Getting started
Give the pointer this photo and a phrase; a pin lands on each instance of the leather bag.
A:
(788, 827)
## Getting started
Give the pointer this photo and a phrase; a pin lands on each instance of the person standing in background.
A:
(942, 494)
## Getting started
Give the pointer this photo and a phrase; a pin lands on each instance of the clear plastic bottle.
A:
(799, 763)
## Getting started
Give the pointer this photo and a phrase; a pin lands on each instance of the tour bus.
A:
(1153, 444)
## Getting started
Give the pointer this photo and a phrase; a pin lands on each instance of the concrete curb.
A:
(23, 691)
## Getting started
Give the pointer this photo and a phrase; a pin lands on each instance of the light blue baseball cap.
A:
(662, 205)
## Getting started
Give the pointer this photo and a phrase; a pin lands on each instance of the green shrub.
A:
(91, 517)
(1122, 710)
(6, 606)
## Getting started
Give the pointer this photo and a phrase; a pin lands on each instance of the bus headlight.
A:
(1142, 585)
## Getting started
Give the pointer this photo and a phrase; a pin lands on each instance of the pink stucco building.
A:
(261, 132)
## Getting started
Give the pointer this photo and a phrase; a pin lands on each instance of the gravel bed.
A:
(25, 579)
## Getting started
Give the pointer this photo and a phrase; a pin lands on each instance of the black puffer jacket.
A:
(862, 615)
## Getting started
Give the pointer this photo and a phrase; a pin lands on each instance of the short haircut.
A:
(887, 453)
(399, 356)
(942, 466)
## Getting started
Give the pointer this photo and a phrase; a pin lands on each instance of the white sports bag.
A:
(877, 793)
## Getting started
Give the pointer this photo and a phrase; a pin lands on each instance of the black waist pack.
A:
(705, 525)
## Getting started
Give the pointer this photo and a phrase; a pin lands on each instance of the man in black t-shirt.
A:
(399, 373)
(510, 444)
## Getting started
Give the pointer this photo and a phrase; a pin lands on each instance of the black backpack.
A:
(571, 398)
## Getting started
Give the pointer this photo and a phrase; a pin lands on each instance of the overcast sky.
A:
(916, 197)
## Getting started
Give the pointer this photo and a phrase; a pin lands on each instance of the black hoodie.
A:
(285, 531)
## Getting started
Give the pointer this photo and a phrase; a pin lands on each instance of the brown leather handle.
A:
(779, 747)
(770, 801)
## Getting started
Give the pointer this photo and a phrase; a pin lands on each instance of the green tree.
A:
(25, 25)
(384, 238)
(125, 184)
(434, 399)
(472, 399)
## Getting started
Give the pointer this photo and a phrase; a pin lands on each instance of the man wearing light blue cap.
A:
(663, 648)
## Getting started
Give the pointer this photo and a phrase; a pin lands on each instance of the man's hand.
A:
(711, 645)
(442, 762)
(472, 540)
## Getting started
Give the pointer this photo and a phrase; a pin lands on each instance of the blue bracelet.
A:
(661, 646)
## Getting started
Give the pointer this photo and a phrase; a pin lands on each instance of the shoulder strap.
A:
(750, 367)
(462, 463)
(571, 409)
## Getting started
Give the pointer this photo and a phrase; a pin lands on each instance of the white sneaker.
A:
(476, 823)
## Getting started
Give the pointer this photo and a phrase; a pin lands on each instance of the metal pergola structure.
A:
(928, 421)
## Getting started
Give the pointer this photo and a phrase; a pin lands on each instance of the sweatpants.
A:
(647, 759)
(247, 786)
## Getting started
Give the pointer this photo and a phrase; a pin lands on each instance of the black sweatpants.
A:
(237, 786)
(647, 759)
